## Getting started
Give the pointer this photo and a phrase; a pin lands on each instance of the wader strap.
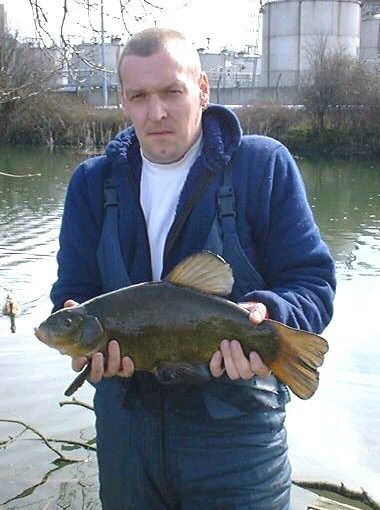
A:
(226, 203)
(110, 196)
(247, 278)
(110, 260)
(186, 210)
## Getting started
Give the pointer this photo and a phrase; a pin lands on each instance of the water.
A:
(333, 437)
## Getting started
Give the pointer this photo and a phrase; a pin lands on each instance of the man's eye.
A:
(136, 97)
(175, 91)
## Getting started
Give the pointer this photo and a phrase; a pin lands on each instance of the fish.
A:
(173, 326)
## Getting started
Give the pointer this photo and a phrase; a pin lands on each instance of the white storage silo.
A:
(292, 28)
(370, 32)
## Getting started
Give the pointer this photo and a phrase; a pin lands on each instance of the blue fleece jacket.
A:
(275, 224)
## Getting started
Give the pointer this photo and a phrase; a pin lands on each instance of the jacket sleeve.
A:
(294, 261)
(78, 273)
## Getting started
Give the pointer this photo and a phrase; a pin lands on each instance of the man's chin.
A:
(163, 156)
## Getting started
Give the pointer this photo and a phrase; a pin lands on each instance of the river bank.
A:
(69, 122)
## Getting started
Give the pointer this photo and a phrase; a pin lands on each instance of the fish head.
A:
(72, 332)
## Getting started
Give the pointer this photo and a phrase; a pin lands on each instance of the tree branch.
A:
(341, 490)
(62, 458)
(76, 402)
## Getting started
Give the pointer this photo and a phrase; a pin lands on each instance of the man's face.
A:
(163, 98)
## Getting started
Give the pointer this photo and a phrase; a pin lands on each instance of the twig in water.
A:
(62, 458)
(341, 490)
(82, 444)
(76, 402)
(11, 439)
(19, 176)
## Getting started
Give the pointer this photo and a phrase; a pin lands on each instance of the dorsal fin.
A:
(204, 271)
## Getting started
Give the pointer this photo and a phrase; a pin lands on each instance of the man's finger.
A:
(216, 364)
(258, 311)
(229, 364)
(240, 360)
(78, 363)
(97, 367)
(113, 359)
(258, 366)
(127, 367)
(69, 303)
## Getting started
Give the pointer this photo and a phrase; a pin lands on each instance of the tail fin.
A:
(299, 355)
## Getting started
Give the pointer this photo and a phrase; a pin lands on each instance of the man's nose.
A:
(157, 109)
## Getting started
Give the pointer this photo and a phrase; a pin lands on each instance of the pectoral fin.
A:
(187, 373)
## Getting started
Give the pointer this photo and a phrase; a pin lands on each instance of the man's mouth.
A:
(161, 132)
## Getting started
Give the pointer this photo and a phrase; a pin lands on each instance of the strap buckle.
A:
(226, 202)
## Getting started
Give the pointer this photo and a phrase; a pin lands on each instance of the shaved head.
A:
(153, 40)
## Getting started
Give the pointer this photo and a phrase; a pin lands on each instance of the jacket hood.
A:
(221, 137)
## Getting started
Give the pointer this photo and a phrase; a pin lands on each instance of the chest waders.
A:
(222, 446)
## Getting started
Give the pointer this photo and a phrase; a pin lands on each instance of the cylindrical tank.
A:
(370, 32)
(292, 29)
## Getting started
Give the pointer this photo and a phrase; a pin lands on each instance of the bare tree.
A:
(91, 19)
(339, 90)
(25, 71)
(69, 26)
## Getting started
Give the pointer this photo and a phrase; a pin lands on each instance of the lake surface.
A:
(333, 437)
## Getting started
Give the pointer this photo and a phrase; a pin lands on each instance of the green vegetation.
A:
(340, 112)
(296, 130)
(339, 117)
(55, 119)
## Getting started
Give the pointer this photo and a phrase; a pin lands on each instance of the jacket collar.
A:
(221, 137)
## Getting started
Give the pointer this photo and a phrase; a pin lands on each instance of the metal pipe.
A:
(105, 85)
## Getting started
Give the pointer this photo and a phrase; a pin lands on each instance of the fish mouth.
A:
(60, 344)
(41, 334)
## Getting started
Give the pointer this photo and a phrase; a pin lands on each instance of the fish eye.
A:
(68, 322)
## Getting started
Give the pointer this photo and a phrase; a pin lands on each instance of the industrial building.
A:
(370, 33)
(291, 31)
(3, 20)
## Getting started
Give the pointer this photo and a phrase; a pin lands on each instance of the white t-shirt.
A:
(161, 186)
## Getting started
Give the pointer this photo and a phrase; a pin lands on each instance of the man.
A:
(181, 180)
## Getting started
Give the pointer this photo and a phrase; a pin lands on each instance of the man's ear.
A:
(124, 103)
(205, 90)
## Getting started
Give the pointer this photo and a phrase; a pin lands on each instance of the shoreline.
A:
(306, 493)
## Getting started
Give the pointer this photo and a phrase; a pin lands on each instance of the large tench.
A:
(170, 326)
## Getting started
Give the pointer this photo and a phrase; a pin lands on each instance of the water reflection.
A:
(345, 198)
(333, 437)
(31, 208)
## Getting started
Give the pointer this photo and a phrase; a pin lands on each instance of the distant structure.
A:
(3, 20)
(292, 28)
(94, 66)
(229, 68)
(370, 33)
(270, 67)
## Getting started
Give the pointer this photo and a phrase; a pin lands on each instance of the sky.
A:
(211, 24)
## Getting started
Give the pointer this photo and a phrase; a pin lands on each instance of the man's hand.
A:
(231, 357)
(116, 365)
